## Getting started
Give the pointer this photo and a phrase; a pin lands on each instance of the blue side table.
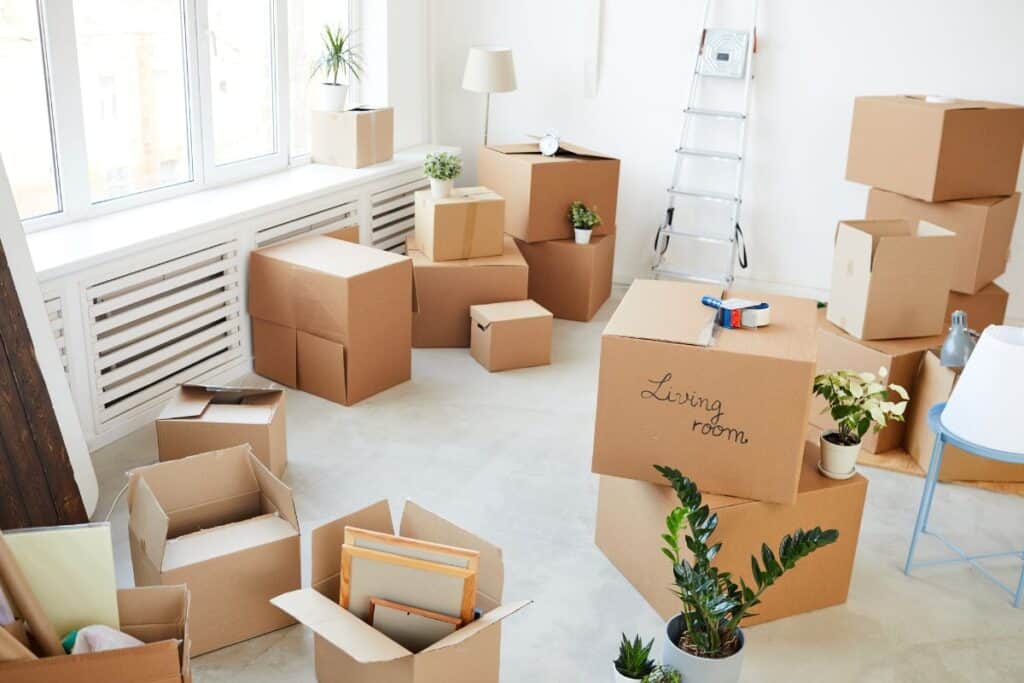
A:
(943, 437)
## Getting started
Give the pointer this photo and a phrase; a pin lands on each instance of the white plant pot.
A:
(582, 235)
(332, 97)
(619, 678)
(837, 462)
(699, 669)
(441, 189)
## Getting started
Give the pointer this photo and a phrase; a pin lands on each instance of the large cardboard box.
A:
(890, 278)
(224, 525)
(730, 409)
(158, 616)
(538, 189)
(987, 307)
(355, 138)
(631, 518)
(468, 224)
(446, 289)
(511, 334)
(983, 228)
(348, 650)
(331, 317)
(202, 418)
(934, 385)
(571, 280)
(936, 150)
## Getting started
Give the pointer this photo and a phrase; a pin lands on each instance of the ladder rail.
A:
(747, 91)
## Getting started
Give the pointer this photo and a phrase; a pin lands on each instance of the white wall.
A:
(815, 57)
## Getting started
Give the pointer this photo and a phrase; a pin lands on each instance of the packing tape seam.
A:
(469, 228)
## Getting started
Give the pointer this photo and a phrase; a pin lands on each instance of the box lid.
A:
(193, 399)
(663, 310)
(487, 314)
(953, 104)
(461, 195)
(331, 256)
(510, 256)
(530, 153)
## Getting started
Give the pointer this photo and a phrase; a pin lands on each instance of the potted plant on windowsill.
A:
(583, 221)
(857, 401)
(340, 58)
(442, 168)
(704, 641)
(634, 661)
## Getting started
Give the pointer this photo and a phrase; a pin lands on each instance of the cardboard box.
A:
(224, 525)
(359, 137)
(158, 616)
(571, 280)
(732, 413)
(983, 228)
(202, 418)
(936, 151)
(987, 307)
(446, 289)
(934, 385)
(631, 518)
(509, 335)
(538, 189)
(468, 224)
(331, 317)
(890, 278)
(348, 650)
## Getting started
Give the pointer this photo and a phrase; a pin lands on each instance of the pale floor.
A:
(508, 457)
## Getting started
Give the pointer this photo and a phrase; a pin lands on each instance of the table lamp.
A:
(489, 69)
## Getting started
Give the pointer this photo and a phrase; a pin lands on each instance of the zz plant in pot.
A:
(857, 401)
(340, 58)
(704, 641)
(634, 660)
(442, 168)
(583, 221)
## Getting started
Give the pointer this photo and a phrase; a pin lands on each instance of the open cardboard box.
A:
(510, 335)
(571, 280)
(468, 224)
(221, 523)
(357, 137)
(348, 650)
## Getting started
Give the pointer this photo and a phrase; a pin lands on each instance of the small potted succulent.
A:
(634, 661)
(857, 401)
(704, 641)
(442, 168)
(339, 58)
(663, 674)
(583, 221)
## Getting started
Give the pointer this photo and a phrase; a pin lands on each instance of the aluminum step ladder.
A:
(717, 48)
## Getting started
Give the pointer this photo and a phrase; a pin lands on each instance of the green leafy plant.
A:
(634, 658)
(442, 166)
(340, 56)
(713, 604)
(663, 674)
(583, 218)
(858, 401)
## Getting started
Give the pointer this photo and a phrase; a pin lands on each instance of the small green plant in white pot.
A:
(663, 674)
(857, 401)
(634, 660)
(340, 59)
(583, 221)
(442, 168)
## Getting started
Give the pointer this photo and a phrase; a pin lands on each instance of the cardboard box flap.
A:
(486, 621)
(327, 540)
(153, 605)
(193, 399)
(275, 492)
(461, 194)
(199, 479)
(663, 310)
(339, 627)
(331, 256)
(510, 256)
(565, 150)
(487, 314)
(895, 231)
(955, 104)
(206, 544)
(149, 523)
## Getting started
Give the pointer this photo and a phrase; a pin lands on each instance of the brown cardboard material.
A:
(890, 278)
(571, 280)
(221, 523)
(348, 650)
(936, 151)
(202, 418)
(538, 189)
(468, 224)
(733, 412)
(987, 307)
(509, 335)
(983, 228)
(631, 518)
(356, 300)
(358, 137)
(446, 289)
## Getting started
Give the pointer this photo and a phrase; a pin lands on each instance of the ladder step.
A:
(725, 281)
(709, 153)
(696, 236)
(715, 113)
(709, 196)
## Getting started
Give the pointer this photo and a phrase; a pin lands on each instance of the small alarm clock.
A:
(548, 144)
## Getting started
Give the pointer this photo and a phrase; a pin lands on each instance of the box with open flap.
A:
(348, 650)
(223, 524)
(511, 334)
(726, 406)
(571, 280)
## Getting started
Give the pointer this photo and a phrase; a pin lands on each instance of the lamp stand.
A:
(487, 116)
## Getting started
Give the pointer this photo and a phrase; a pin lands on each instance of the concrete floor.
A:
(508, 456)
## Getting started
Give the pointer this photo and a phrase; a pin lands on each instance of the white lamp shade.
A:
(987, 404)
(489, 69)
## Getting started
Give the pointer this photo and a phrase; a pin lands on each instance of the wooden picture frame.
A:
(412, 547)
(411, 627)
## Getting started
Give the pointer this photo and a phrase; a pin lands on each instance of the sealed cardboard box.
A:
(936, 151)
(729, 406)
(348, 650)
(538, 189)
(890, 278)
(354, 138)
(983, 228)
(446, 289)
(156, 615)
(468, 224)
(509, 335)
(987, 307)
(631, 518)
(202, 418)
(331, 317)
(571, 280)
(222, 524)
